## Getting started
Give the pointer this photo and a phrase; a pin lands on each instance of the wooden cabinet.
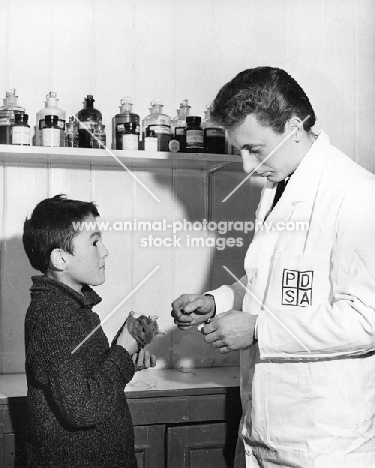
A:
(182, 422)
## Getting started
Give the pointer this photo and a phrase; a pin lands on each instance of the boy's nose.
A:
(105, 252)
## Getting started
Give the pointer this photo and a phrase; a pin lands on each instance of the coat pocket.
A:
(307, 413)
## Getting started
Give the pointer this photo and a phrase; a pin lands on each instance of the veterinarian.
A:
(303, 315)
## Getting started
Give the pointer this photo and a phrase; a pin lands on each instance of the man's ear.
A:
(296, 128)
(58, 259)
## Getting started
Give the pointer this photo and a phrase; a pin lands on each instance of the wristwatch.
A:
(213, 315)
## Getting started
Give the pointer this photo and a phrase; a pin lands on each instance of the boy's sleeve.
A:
(84, 396)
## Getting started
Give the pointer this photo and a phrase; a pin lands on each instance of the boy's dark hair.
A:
(51, 227)
(271, 94)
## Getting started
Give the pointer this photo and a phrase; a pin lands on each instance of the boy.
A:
(77, 410)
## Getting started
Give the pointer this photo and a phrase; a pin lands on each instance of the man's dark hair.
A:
(51, 227)
(269, 93)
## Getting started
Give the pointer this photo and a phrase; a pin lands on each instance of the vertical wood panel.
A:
(338, 92)
(28, 46)
(3, 46)
(231, 41)
(25, 187)
(114, 195)
(193, 53)
(72, 72)
(268, 33)
(154, 296)
(153, 60)
(191, 267)
(2, 261)
(365, 78)
(115, 51)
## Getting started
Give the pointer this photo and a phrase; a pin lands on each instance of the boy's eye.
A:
(95, 242)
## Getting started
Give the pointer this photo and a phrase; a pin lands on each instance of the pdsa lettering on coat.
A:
(297, 288)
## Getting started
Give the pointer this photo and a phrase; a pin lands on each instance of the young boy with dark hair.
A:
(77, 410)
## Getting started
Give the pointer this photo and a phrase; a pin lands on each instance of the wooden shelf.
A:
(116, 159)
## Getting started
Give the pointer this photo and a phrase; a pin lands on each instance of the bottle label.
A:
(50, 137)
(151, 144)
(21, 135)
(215, 132)
(166, 129)
(120, 127)
(130, 141)
(194, 139)
(179, 131)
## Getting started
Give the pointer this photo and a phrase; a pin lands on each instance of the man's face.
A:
(86, 264)
(256, 142)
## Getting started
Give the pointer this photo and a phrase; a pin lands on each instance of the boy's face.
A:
(86, 264)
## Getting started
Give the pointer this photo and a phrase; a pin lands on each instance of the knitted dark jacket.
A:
(77, 410)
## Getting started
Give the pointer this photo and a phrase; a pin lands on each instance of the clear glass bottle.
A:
(51, 131)
(21, 130)
(194, 135)
(125, 139)
(7, 115)
(87, 118)
(180, 124)
(50, 109)
(71, 134)
(98, 140)
(159, 123)
(213, 135)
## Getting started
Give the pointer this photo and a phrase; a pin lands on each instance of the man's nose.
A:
(249, 161)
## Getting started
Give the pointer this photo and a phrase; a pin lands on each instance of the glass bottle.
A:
(7, 115)
(180, 125)
(50, 109)
(71, 134)
(87, 118)
(213, 135)
(194, 135)
(21, 130)
(159, 123)
(125, 139)
(51, 131)
(98, 140)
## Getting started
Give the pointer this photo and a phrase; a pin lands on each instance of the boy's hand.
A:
(127, 341)
(143, 360)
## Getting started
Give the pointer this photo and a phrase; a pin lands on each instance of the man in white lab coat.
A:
(303, 316)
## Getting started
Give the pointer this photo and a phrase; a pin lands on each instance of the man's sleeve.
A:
(229, 297)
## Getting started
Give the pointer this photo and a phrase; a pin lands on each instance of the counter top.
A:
(149, 383)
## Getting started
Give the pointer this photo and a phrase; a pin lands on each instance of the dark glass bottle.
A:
(193, 135)
(126, 126)
(213, 135)
(21, 130)
(87, 118)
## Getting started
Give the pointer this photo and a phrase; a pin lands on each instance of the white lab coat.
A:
(308, 384)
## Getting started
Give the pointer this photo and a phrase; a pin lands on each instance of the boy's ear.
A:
(58, 259)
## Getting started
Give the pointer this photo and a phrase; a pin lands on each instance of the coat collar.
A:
(302, 186)
(87, 299)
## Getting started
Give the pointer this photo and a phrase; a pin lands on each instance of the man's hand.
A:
(230, 331)
(190, 310)
(143, 360)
